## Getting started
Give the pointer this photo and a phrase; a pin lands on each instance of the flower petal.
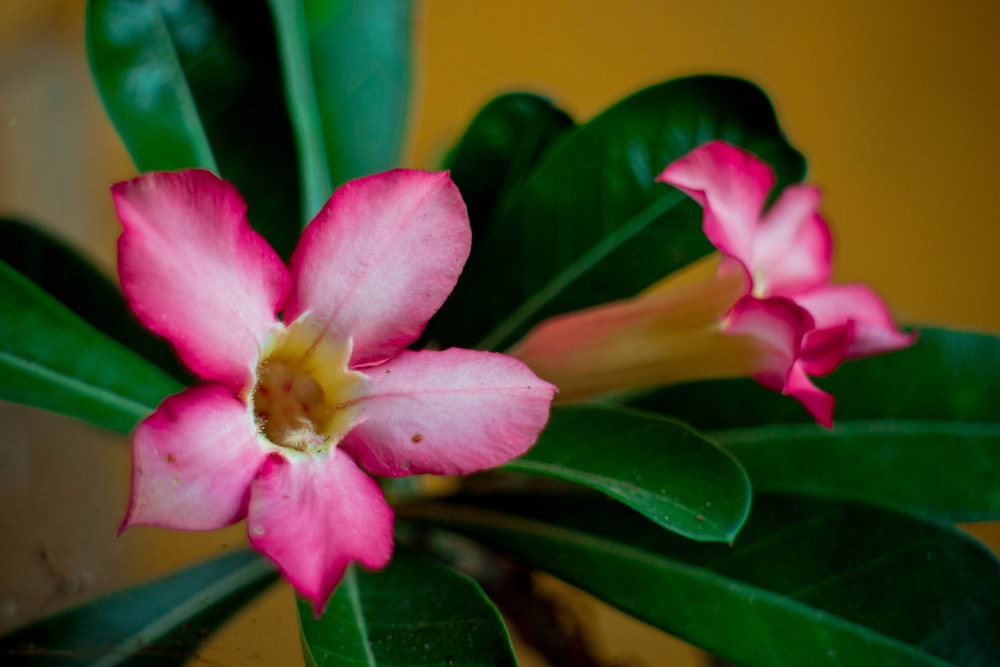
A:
(818, 402)
(793, 249)
(193, 461)
(314, 515)
(823, 350)
(449, 412)
(872, 329)
(194, 271)
(731, 184)
(380, 259)
(780, 325)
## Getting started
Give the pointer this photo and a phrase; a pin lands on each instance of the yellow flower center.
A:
(306, 398)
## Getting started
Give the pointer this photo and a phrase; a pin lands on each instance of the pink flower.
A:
(290, 407)
(762, 308)
(785, 253)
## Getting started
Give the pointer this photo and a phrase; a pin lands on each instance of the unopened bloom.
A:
(289, 410)
(763, 308)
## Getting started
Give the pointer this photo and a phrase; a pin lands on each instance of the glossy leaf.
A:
(657, 466)
(51, 359)
(590, 225)
(949, 471)
(498, 150)
(948, 376)
(195, 83)
(162, 622)
(807, 582)
(347, 81)
(78, 285)
(416, 612)
(918, 430)
(360, 51)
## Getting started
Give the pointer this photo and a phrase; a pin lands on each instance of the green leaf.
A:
(347, 81)
(917, 430)
(415, 612)
(807, 582)
(158, 623)
(197, 84)
(78, 285)
(948, 471)
(948, 376)
(590, 225)
(657, 466)
(361, 58)
(52, 359)
(502, 144)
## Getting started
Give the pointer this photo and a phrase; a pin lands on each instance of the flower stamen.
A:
(305, 396)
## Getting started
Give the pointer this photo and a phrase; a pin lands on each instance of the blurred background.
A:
(895, 104)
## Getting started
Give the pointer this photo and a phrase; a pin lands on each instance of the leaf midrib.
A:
(576, 269)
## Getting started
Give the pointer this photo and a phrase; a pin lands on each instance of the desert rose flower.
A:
(763, 307)
(292, 410)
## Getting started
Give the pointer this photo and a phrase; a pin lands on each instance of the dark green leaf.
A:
(590, 225)
(158, 623)
(75, 283)
(415, 612)
(502, 144)
(918, 430)
(807, 583)
(194, 83)
(948, 376)
(657, 466)
(949, 471)
(361, 58)
(347, 81)
(52, 359)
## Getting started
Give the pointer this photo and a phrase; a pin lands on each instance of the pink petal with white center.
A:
(314, 515)
(731, 184)
(793, 249)
(449, 412)
(193, 461)
(194, 272)
(872, 330)
(380, 259)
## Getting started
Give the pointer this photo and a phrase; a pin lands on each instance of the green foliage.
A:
(162, 622)
(806, 582)
(52, 359)
(503, 143)
(917, 430)
(416, 612)
(657, 466)
(947, 471)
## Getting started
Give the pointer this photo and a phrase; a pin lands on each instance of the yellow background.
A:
(895, 104)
